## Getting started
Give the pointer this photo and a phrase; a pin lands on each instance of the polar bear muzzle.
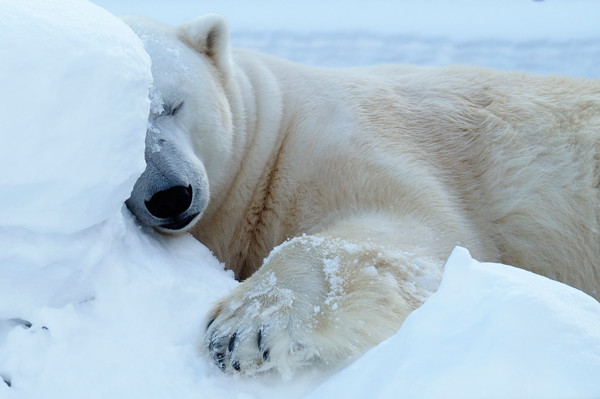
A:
(172, 192)
(172, 204)
(170, 210)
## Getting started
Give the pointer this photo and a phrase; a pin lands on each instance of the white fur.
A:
(356, 184)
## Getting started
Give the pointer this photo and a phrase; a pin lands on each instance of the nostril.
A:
(171, 202)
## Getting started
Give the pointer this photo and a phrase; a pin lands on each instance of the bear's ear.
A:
(209, 34)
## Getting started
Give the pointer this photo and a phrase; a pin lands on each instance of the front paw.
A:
(261, 327)
(315, 301)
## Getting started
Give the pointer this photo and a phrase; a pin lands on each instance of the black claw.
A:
(210, 322)
(259, 339)
(215, 345)
(222, 365)
(232, 342)
(236, 365)
(219, 359)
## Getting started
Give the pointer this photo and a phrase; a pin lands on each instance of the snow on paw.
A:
(259, 327)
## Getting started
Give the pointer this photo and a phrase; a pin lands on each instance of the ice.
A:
(94, 306)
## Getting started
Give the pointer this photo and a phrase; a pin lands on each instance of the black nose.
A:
(170, 203)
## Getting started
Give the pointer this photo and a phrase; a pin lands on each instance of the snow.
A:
(116, 310)
(55, 101)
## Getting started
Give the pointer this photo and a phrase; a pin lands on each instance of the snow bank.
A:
(120, 320)
(74, 105)
(91, 306)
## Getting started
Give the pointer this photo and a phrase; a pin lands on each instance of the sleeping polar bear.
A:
(337, 195)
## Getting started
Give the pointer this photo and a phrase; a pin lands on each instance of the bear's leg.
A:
(322, 299)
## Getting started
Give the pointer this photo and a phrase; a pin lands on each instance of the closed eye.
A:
(173, 110)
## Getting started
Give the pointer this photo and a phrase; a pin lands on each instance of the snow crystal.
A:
(157, 103)
(265, 286)
(331, 268)
(153, 139)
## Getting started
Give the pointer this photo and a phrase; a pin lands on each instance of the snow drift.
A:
(93, 306)
(68, 162)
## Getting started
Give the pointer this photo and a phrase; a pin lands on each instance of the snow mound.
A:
(74, 105)
(490, 331)
(91, 305)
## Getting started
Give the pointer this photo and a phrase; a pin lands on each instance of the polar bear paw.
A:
(261, 327)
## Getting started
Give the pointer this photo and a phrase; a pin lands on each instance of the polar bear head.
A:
(189, 135)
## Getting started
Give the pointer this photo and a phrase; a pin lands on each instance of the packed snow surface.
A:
(94, 306)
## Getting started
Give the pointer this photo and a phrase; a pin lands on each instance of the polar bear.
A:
(337, 194)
